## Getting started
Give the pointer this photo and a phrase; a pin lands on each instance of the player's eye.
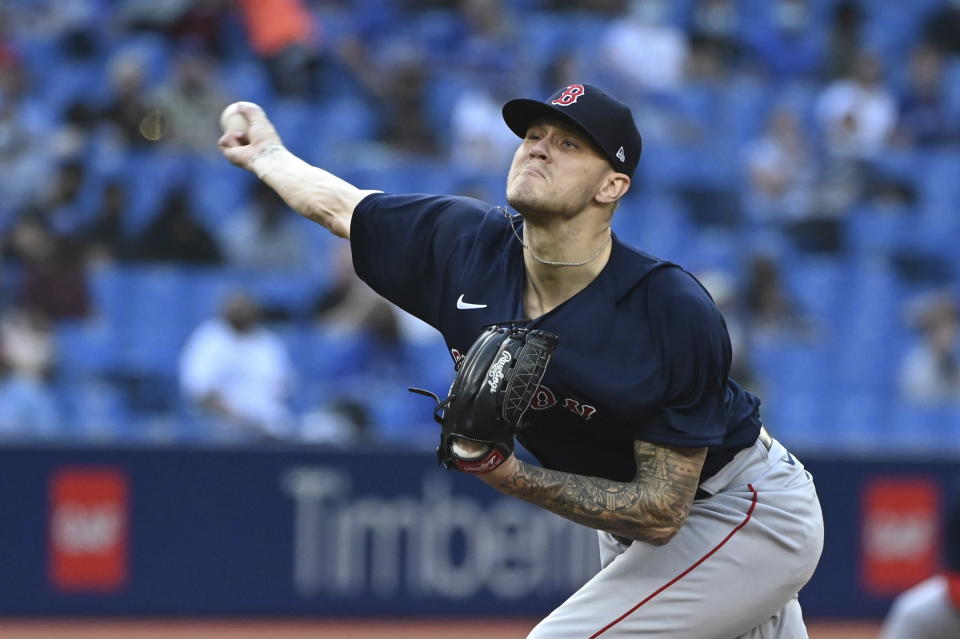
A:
(569, 144)
(533, 137)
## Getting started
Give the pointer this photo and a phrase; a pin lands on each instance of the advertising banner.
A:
(310, 532)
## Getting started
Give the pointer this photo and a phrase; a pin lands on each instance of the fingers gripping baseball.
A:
(248, 133)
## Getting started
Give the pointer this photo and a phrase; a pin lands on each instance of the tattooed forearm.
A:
(651, 508)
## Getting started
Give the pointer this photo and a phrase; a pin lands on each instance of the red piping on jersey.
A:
(753, 504)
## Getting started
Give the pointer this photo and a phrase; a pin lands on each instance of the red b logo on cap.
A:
(570, 95)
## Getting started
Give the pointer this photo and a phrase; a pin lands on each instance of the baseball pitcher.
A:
(609, 365)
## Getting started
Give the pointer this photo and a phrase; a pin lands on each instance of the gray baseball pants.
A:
(733, 570)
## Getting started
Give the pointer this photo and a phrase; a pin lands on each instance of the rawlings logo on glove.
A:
(510, 362)
(496, 371)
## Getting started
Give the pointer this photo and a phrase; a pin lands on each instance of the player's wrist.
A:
(499, 476)
(268, 159)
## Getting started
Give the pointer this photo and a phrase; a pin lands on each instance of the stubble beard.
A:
(531, 208)
(536, 209)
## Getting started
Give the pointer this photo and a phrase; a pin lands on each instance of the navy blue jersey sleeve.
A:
(402, 245)
(694, 352)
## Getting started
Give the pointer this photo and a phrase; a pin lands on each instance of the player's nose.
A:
(539, 149)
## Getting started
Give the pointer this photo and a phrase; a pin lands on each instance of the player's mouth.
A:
(533, 171)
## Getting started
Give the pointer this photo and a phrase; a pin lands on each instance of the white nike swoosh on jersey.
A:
(466, 306)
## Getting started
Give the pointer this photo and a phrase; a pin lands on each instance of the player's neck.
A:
(553, 279)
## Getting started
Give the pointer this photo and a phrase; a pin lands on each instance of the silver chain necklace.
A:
(513, 227)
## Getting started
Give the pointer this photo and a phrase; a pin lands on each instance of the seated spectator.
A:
(58, 205)
(53, 278)
(844, 40)
(284, 34)
(769, 308)
(490, 53)
(942, 28)
(858, 113)
(350, 305)
(127, 108)
(781, 170)
(790, 49)
(105, 238)
(191, 103)
(564, 68)
(24, 155)
(176, 236)
(27, 405)
(480, 141)
(398, 88)
(889, 195)
(74, 136)
(238, 374)
(196, 23)
(718, 21)
(930, 371)
(264, 235)
(925, 115)
(608, 7)
(708, 62)
(723, 290)
(489, 37)
(643, 48)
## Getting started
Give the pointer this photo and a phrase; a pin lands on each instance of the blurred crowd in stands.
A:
(800, 156)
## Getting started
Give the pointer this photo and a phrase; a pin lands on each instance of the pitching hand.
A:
(243, 147)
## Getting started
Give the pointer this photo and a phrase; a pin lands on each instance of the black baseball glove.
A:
(495, 383)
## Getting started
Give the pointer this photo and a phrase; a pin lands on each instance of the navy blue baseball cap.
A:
(604, 119)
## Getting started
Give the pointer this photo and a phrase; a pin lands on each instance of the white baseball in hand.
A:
(232, 120)
(468, 449)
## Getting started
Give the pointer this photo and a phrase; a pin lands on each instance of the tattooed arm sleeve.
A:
(651, 508)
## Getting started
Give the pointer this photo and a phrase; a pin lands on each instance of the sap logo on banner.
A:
(433, 543)
(900, 534)
(899, 537)
(93, 529)
(88, 529)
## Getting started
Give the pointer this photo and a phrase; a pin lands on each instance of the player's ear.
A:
(614, 187)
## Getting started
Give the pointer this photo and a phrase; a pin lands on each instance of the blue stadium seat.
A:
(856, 421)
(656, 222)
(324, 357)
(917, 429)
(154, 323)
(790, 365)
(873, 233)
(246, 79)
(795, 417)
(291, 291)
(817, 284)
(86, 348)
(149, 177)
(97, 412)
(110, 288)
(218, 190)
(204, 291)
(429, 364)
(402, 418)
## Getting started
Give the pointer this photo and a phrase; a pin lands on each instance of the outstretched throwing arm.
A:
(312, 192)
